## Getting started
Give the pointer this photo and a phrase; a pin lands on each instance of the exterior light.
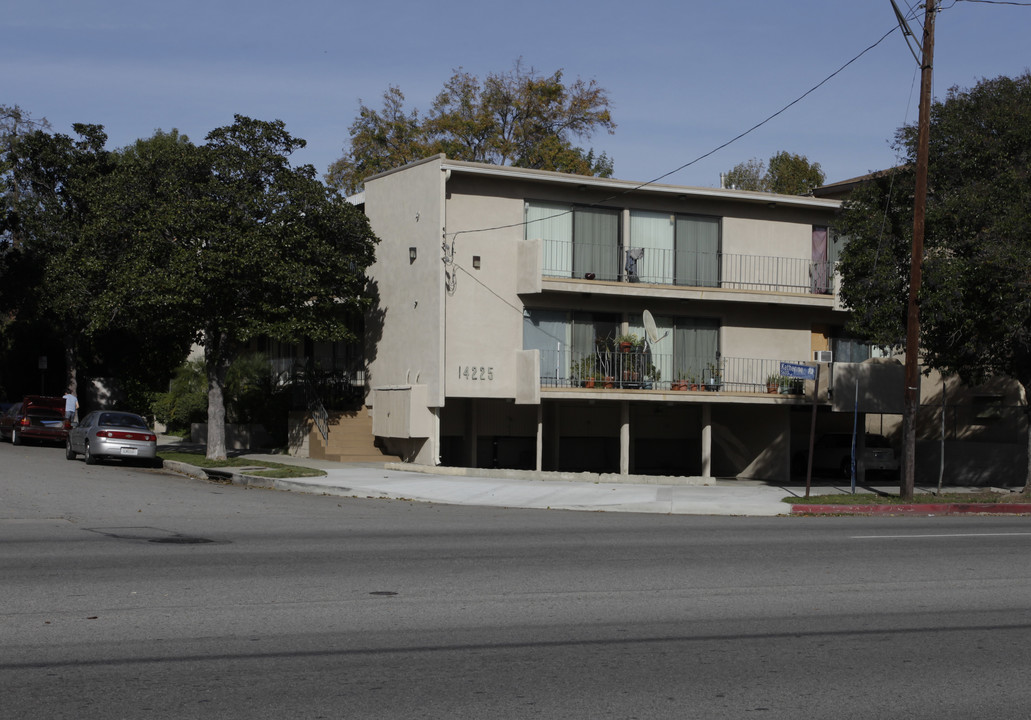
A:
(476, 261)
(411, 255)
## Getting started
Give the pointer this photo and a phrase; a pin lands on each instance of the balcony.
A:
(635, 370)
(687, 269)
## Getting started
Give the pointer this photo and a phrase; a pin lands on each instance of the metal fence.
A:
(641, 369)
(689, 269)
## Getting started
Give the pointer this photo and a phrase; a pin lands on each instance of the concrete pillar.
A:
(706, 440)
(624, 437)
(540, 436)
(555, 435)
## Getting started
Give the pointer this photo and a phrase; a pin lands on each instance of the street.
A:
(134, 593)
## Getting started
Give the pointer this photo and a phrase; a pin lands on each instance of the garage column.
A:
(624, 437)
(540, 436)
(706, 440)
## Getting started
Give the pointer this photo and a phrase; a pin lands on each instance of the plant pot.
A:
(589, 383)
(626, 347)
(772, 388)
(610, 382)
(694, 386)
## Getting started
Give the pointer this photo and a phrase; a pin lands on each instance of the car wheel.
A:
(15, 437)
(69, 454)
(91, 459)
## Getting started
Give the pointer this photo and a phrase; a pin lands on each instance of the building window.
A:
(678, 249)
(577, 240)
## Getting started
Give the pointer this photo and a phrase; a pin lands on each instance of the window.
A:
(678, 249)
(686, 346)
(565, 340)
(577, 240)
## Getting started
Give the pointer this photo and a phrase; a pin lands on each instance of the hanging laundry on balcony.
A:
(633, 255)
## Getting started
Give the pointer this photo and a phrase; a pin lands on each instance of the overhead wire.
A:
(454, 235)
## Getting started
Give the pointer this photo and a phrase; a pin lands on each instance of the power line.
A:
(750, 130)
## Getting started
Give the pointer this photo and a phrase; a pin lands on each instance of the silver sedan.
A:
(105, 434)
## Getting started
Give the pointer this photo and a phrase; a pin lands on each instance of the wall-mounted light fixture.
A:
(476, 261)
(411, 255)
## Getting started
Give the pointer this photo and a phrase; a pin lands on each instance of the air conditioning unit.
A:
(824, 356)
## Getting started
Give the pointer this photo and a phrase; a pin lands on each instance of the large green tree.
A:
(974, 301)
(279, 255)
(786, 174)
(520, 118)
(51, 272)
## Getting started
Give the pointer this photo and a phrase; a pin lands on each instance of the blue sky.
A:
(683, 77)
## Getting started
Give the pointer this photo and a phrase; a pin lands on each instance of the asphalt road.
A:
(130, 593)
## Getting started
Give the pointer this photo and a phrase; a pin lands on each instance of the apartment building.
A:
(544, 321)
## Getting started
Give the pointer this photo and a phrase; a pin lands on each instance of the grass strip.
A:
(987, 496)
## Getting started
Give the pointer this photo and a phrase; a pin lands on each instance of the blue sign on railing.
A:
(797, 370)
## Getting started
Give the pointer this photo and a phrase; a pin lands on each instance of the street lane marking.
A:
(950, 535)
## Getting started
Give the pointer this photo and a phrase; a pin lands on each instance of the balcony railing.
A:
(645, 370)
(689, 269)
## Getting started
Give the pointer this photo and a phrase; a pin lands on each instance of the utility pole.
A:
(912, 390)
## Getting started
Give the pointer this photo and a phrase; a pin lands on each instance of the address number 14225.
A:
(472, 372)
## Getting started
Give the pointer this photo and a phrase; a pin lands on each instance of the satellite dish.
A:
(649, 328)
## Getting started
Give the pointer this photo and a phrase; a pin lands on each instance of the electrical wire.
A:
(810, 91)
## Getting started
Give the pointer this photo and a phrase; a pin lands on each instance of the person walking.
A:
(71, 405)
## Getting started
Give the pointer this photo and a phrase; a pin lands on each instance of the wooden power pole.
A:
(912, 390)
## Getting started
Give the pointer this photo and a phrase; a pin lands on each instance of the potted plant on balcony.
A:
(583, 372)
(715, 377)
(679, 382)
(628, 343)
(772, 383)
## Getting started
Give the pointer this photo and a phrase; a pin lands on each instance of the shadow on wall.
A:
(375, 318)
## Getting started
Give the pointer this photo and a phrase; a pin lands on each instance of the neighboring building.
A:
(500, 292)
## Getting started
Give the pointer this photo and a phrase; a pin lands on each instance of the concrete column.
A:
(624, 438)
(540, 436)
(706, 440)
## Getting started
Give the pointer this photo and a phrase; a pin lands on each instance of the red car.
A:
(35, 418)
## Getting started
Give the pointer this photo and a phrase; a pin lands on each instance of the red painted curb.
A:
(916, 509)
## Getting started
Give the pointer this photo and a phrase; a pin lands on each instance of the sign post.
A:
(806, 372)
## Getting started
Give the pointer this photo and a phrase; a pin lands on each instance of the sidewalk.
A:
(519, 490)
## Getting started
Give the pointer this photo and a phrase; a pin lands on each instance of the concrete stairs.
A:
(350, 439)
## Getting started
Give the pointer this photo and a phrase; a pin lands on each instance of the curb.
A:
(916, 509)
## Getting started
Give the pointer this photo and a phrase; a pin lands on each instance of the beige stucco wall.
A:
(404, 329)
(483, 312)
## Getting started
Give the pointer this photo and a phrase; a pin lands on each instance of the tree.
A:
(974, 301)
(279, 255)
(749, 175)
(380, 141)
(519, 118)
(50, 270)
(791, 174)
(786, 174)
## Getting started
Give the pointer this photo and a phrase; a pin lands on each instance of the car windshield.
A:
(122, 420)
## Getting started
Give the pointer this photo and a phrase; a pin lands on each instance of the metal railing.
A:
(688, 269)
(641, 369)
